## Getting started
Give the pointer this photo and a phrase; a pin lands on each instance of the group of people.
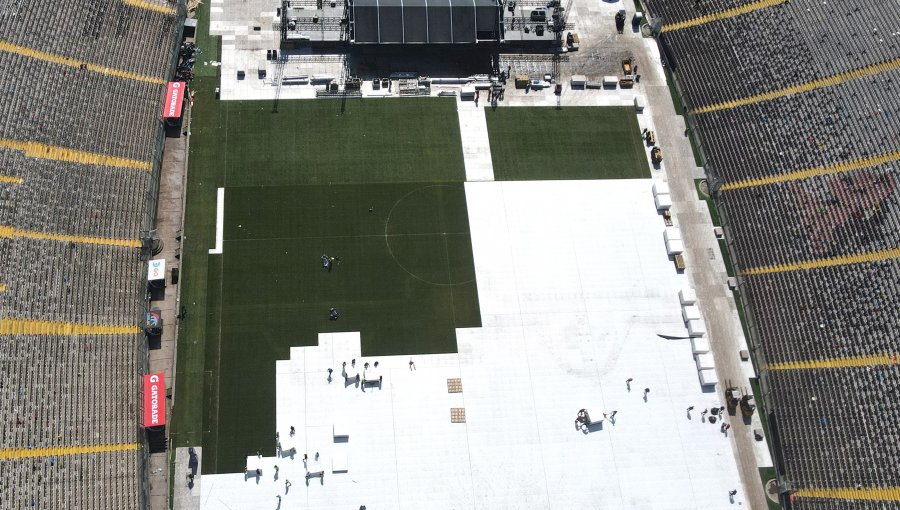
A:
(328, 264)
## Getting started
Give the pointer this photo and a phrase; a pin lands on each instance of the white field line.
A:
(220, 221)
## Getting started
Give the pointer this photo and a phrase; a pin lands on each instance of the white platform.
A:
(573, 289)
(475, 144)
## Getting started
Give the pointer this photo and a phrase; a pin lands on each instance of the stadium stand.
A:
(804, 168)
(75, 282)
(849, 504)
(80, 148)
(831, 412)
(105, 204)
(677, 12)
(127, 108)
(828, 313)
(97, 480)
(823, 216)
(110, 33)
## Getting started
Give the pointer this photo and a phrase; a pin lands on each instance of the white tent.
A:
(674, 246)
(690, 312)
(639, 103)
(696, 327)
(687, 296)
(699, 345)
(705, 361)
(708, 377)
(660, 188)
(663, 201)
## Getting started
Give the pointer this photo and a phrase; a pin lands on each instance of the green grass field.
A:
(324, 142)
(405, 278)
(571, 143)
(300, 183)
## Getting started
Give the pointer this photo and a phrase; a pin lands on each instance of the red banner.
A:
(174, 98)
(154, 400)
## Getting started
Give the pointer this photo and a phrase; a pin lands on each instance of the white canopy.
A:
(660, 188)
(696, 327)
(699, 344)
(663, 201)
(674, 246)
(708, 377)
(690, 312)
(687, 296)
(705, 361)
(672, 233)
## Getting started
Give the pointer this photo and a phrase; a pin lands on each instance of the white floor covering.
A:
(475, 143)
(574, 285)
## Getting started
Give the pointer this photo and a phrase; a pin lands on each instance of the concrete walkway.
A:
(169, 222)
(187, 494)
(476, 146)
(707, 275)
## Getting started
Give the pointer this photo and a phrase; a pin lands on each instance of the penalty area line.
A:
(220, 221)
